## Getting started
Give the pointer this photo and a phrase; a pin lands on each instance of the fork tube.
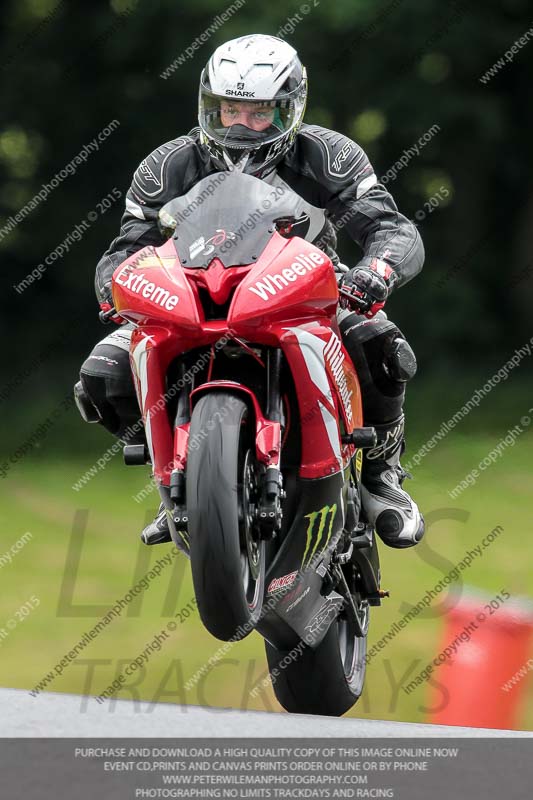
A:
(273, 386)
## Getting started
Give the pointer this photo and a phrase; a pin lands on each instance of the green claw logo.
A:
(321, 516)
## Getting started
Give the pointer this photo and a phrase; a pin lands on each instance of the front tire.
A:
(227, 555)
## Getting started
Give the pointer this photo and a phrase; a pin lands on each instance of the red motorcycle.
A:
(253, 424)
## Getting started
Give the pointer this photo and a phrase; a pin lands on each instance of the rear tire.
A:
(227, 556)
(327, 680)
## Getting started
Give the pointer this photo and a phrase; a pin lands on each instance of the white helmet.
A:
(252, 100)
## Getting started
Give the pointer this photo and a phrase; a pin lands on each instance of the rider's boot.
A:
(388, 507)
(157, 531)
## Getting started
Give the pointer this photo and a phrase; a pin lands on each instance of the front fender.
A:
(267, 432)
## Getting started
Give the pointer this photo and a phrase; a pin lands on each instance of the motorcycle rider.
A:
(252, 101)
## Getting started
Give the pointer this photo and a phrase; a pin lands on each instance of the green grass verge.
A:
(37, 497)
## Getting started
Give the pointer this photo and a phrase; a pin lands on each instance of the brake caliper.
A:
(269, 513)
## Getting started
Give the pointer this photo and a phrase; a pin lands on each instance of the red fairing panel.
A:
(324, 393)
(277, 302)
(300, 285)
(151, 351)
(152, 286)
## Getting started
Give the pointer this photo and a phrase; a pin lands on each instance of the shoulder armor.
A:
(151, 177)
(337, 158)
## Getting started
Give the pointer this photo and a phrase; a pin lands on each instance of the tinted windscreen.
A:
(227, 215)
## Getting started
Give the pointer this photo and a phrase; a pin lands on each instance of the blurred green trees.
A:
(384, 73)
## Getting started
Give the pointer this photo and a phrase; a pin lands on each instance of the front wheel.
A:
(227, 555)
(327, 680)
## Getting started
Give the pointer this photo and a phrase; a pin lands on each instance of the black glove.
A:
(365, 289)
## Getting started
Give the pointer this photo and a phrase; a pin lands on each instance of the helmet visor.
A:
(243, 123)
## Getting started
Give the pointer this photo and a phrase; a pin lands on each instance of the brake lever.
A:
(105, 316)
(356, 303)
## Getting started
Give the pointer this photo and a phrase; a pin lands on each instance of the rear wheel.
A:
(327, 680)
(227, 555)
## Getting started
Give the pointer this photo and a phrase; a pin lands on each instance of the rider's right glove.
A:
(365, 289)
(106, 306)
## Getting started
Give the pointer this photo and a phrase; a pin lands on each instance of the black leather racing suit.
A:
(333, 182)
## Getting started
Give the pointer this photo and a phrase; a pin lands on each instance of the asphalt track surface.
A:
(63, 715)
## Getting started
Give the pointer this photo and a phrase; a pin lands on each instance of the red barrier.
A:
(491, 640)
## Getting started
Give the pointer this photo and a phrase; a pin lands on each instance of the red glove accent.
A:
(382, 268)
(365, 289)
(384, 271)
(115, 318)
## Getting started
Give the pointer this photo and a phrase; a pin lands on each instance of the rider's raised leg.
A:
(106, 385)
(106, 394)
(384, 362)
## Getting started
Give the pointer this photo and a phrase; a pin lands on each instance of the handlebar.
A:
(105, 316)
(357, 304)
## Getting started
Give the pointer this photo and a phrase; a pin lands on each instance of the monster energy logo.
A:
(320, 516)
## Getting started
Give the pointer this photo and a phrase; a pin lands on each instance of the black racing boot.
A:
(388, 507)
(157, 531)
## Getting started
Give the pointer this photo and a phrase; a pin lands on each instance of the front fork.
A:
(182, 421)
(268, 450)
(269, 511)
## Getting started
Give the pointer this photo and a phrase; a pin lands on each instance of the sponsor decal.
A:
(239, 93)
(298, 599)
(281, 583)
(359, 462)
(206, 247)
(148, 262)
(326, 615)
(107, 360)
(148, 174)
(272, 283)
(342, 156)
(277, 146)
(136, 282)
(334, 358)
(319, 531)
(388, 445)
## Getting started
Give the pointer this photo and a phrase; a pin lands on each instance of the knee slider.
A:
(400, 360)
(87, 409)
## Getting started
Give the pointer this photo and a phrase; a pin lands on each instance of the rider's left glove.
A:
(368, 287)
